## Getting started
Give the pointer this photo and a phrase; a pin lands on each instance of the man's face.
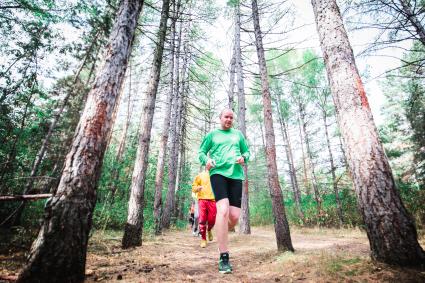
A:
(226, 120)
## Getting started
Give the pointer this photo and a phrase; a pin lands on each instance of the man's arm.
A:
(244, 148)
(204, 148)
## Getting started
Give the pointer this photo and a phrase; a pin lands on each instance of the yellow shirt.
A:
(203, 179)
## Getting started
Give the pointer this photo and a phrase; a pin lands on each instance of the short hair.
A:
(224, 110)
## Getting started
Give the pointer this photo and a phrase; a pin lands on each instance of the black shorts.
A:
(224, 187)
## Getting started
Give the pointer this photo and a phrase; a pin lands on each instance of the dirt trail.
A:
(321, 256)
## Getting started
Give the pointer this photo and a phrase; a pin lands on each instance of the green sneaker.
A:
(224, 265)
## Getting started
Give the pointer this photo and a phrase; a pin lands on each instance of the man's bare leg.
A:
(221, 224)
(234, 213)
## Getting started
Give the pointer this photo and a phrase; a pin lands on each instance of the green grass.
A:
(338, 266)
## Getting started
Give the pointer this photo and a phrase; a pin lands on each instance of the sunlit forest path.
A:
(307, 114)
(322, 255)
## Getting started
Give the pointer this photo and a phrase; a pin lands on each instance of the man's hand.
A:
(240, 160)
(210, 164)
(199, 188)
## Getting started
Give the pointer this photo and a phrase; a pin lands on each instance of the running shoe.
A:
(203, 243)
(224, 265)
(210, 236)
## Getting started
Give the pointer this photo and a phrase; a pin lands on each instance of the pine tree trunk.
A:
(262, 136)
(182, 207)
(180, 156)
(231, 92)
(283, 237)
(122, 144)
(244, 225)
(305, 177)
(174, 145)
(331, 161)
(183, 195)
(173, 177)
(172, 165)
(177, 204)
(134, 226)
(389, 226)
(59, 252)
(317, 197)
(165, 130)
(178, 194)
(290, 160)
(344, 156)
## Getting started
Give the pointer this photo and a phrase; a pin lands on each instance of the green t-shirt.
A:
(224, 147)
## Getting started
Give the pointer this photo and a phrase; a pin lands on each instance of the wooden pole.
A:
(24, 197)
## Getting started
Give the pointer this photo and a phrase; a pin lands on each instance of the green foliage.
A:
(260, 207)
(329, 218)
(413, 198)
(21, 135)
(414, 106)
(33, 45)
(403, 133)
(31, 33)
(111, 213)
(184, 194)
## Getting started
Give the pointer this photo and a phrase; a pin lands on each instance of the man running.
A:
(228, 152)
(207, 211)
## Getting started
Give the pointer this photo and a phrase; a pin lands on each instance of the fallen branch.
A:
(24, 197)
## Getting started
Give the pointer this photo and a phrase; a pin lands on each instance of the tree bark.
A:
(318, 199)
(290, 160)
(59, 252)
(283, 237)
(182, 169)
(305, 177)
(165, 130)
(331, 161)
(174, 146)
(389, 226)
(134, 226)
(122, 143)
(344, 156)
(177, 202)
(170, 201)
(231, 91)
(244, 225)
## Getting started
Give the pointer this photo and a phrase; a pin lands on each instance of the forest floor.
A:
(321, 255)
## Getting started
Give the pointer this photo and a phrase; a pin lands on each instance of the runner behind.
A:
(207, 210)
